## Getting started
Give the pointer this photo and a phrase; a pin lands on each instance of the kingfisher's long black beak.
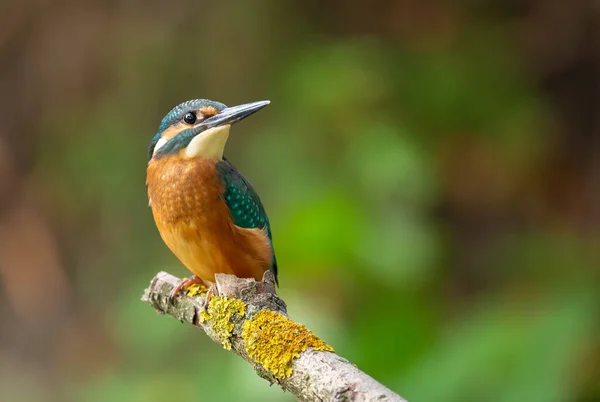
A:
(231, 115)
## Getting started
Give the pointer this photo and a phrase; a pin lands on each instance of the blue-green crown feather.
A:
(244, 204)
(176, 115)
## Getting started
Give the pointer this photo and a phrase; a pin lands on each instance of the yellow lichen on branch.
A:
(196, 289)
(245, 320)
(220, 312)
(274, 340)
(271, 339)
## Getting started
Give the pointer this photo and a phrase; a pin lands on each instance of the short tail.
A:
(274, 269)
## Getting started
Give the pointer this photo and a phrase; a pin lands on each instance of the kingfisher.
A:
(206, 212)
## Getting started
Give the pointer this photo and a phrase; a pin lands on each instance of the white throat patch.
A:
(209, 143)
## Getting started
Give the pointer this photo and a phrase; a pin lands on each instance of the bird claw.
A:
(182, 285)
(212, 290)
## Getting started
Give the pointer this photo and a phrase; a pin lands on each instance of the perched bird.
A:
(207, 213)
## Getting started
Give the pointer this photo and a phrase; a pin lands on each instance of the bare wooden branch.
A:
(249, 319)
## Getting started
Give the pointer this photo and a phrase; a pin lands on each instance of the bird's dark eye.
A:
(190, 118)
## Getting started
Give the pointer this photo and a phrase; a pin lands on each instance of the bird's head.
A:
(198, 128)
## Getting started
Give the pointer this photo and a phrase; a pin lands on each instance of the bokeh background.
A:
(431, 169)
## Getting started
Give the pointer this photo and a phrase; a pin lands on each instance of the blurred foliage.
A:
(433, 195)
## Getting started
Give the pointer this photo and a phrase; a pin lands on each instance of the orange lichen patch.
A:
(208, 111)
(220, 313)
(274, 341)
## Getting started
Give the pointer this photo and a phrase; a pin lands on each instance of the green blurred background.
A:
(431, 170)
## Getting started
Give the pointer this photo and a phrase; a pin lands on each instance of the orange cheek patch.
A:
(208, 111)
(172, 131)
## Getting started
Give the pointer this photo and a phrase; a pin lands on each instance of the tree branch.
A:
(249, 319)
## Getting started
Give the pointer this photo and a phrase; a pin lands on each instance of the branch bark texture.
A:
(248, 318)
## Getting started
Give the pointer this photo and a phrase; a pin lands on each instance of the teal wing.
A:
(244, 204)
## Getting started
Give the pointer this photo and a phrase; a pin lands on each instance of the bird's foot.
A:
(212, 290)
(192, 280)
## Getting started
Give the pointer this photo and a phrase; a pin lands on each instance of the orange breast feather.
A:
(195, 223)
